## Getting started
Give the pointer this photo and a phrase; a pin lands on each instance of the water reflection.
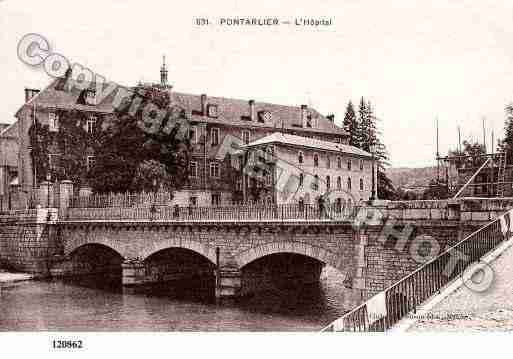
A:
(90, 304)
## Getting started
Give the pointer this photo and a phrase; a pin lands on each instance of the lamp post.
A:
(48, 179)
(373, 191)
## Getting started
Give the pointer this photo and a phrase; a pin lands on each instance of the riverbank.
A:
(9, 277)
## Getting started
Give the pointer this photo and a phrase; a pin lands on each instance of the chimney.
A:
(204, 104)
(303, 115)
(252, 110)
(331, 117)
(29, 93)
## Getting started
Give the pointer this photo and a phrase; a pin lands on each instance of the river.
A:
(91, 306)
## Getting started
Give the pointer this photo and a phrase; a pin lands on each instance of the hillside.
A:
(406, 177)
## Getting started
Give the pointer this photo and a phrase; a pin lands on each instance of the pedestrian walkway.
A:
(7, 277)
(465, 310)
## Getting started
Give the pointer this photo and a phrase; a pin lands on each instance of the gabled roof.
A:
(305, 142)
(230, 111)
(10, 131)
(67, 99)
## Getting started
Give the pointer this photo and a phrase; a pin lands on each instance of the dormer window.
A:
(265, 116)
(90, 97)
(53, 122)
(212, 110)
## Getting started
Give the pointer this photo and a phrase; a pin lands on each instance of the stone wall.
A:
(28, 241)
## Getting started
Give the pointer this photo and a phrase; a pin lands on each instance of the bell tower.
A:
(163, 73)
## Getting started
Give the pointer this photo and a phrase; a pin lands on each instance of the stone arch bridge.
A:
(229, 251)
(239, 255)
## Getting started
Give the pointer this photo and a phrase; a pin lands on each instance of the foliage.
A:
(132, 151)
(151, 174)
(435, 191)
(506, 144)
(471, 153)
(127, 155)
(351, 125)
(68, 147)
(368, 137)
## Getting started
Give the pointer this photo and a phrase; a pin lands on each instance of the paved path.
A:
(468, 311)
(6, 277)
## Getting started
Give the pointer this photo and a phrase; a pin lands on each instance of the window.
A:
(193, 169)
(214, 169)
(315, 184)
(216, 199)
(349, 183)
(267, 178)
(91, 97)
(239, 185)
(316, 160)
(361, 165)
(361, 184)
(193, 134)
(246, 137)
(300, 157)
(301, 179)
(264, 116)
(339, 162)
(328, 184)
(53, 122)
(349, 165)
(212, 110)
(91, 124)
(193, 201)
(214, 135)
(328, 161)
(53, 160)
(90, 162)
(339, 182)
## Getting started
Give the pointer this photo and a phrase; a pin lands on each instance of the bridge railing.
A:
(283, 212)
(385, 309)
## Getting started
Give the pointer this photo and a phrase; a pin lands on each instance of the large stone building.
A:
(212, 181)
(8, 162)
(301, 169)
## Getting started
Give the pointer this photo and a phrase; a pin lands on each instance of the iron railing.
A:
(406, 295)
(283, 212)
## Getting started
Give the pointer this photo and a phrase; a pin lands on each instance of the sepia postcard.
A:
(341, 169)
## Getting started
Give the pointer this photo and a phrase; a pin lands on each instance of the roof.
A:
(52, 97)
(230, 111)
(10, 130)
(300, 141)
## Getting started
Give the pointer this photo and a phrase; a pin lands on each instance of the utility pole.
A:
(437, 155)
(484, 135)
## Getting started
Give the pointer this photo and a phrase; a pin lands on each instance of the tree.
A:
(131, 151)
(370, 142)
(506, 144)
(350, 125)
(470, 156)
(435, 191)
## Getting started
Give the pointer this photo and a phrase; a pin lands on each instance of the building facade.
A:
(212, 181)
(287, 169)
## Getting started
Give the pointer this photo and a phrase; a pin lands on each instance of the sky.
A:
(415, 61)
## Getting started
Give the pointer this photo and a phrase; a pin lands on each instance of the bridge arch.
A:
(321, 254)
(205, 250)
(70, 250)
